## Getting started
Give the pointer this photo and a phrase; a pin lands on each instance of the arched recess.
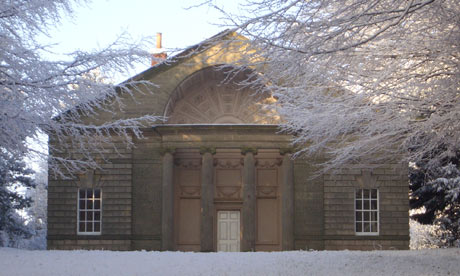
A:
(210, 96)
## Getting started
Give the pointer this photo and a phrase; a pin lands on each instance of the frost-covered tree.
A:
(39, 94)
(39, 195)
(14, 177)
(363, 81)
(423, 236)
(359, 80)
(36, 214)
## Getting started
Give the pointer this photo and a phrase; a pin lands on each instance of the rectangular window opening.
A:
(89, 212)
(367, 212)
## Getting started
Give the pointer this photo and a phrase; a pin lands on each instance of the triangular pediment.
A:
(189, 88)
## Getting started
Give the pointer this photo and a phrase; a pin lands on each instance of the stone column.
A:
(207, 200)
(167, 213)
(248, 241)
(287, 202)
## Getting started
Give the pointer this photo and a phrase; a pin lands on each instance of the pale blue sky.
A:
(99, 22)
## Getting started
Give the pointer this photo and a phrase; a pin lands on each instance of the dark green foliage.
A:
(13, 176)
(437, 188)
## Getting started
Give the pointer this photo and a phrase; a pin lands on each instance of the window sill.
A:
(89, 233)
(366, 234)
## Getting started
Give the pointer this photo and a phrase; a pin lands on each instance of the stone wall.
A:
(132, 187)
(309, 207)
(132, 195)
(147, 190)
(391, 180)
(90, 244)
(115, 181)
(325, 211)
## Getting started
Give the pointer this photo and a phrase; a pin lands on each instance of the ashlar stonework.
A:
(218, 175)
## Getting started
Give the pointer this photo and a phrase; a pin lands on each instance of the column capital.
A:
(288, 150)
(245, 150)
(204, 150)
(165, 150)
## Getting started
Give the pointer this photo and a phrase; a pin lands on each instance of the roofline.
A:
(178, 58)
(162, 66)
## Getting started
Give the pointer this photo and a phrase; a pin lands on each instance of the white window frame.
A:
(79, 209)
(362, 210)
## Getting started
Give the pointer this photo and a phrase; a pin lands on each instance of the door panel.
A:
(189, 223)
(267, 221)
(228, 231)
(187, 204)
(268, 233)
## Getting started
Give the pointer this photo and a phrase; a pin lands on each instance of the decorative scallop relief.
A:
(188, 163)
(205, 98)
(228, 192)
(190, 191)
(268, 163)
(228, 163)
(267, 191)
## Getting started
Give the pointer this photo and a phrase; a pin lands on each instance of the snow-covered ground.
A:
(423, 262)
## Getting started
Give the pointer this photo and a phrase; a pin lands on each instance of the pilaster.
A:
(287, 201)
(249, 201)
(207, 199)
(167, 213)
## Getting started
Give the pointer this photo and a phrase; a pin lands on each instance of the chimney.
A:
(158, 54)
(159, 41)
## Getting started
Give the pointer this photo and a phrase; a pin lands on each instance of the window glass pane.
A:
(359, 216)
(82, 215)
(374, 193)
(358, 193)
(89, 193)
(366, 216)
(97, 204)
(374, 204)
(97, 227)
(89, 216)
(89, 227)
(366, 204)
(82, 204)
(82, 193)
(359, 227)
(359, 205)
(89, 204)
(81, 227)
(367, 227)
(366, 193)
(374, 227)
(97, 193)
(97, 215)
(374, 216)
